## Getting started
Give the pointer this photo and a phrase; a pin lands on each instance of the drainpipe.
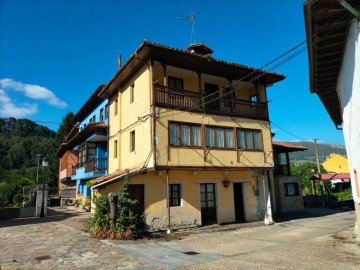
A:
(168, 200)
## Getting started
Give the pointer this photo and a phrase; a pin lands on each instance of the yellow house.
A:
(336, 163)
(193, 135)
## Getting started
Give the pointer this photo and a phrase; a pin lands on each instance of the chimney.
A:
(199, 48)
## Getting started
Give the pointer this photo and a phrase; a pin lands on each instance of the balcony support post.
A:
(288, 163)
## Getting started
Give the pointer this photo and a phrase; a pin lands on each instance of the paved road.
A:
(307, 243)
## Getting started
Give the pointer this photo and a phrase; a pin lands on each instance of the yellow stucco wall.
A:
(132, 117)
(336, 163)
(188, 213)
(174, 156)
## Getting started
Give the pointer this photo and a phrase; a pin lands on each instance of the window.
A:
(248, 139)
(94, 119)
(101, 115)
(116, 107)
(174, 195)
(219, 137)
(115, 149)
(132, 141)
(106, 111)
(253, 99)
(176, 83)
(132, 94)
(87, 152)
(291, 189)
(184, 135)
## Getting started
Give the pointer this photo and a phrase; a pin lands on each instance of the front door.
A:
(208, 204)
(136, 192)
(212, 101)
(239, 202)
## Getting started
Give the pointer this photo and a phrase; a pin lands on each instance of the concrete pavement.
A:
(307, 242)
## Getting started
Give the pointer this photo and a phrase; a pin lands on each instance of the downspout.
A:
(168, 200)
(152, 113)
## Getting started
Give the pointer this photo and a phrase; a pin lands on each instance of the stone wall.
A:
(287, 203)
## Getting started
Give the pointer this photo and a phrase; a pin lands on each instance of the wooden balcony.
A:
(282, 170)
(96, 164)
(192, 101)
(93, 165)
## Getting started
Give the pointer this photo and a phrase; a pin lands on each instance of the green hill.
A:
(324, 150)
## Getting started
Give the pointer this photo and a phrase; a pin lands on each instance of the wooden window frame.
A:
(191, 125)
(115, 149)
(132, 141)
(172, 192)
(286, 190)
(132, 93)
(253, 140)
(176, 79)
(223, 131)
(116, 107)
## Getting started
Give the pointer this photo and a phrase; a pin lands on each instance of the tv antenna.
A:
(192, 19)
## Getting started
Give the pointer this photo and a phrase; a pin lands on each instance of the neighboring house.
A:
(288, 191)
(192, 133)
(339, 181)
(336, 163)
(332, 29)
(84, 150)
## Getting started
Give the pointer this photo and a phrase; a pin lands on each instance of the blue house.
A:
(88, 140)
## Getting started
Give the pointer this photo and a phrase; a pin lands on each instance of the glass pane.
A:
(202, 188)
(240, 139)
(196, 136)
(174, 134)
(210, 196)
(249, 140)
(211, 204)
(257, 142)
(185, 135)
(210, 137)
(229, 138)
(203, 204)
(220, 140)
(210, 188)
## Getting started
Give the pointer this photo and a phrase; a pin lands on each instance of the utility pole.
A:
(37, 171)
(322, 189)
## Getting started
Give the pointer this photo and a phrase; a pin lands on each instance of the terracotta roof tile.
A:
(290, 147)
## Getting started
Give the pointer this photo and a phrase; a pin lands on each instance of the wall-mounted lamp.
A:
(226, 183)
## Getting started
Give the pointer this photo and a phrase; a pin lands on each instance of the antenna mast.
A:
(192, 19)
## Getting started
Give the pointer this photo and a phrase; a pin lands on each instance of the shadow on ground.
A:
(55, 214)
(309, 212)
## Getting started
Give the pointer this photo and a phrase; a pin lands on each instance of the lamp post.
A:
(42, 212)
(37, 171)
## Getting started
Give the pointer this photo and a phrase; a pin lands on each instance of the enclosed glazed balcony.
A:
(180, 99)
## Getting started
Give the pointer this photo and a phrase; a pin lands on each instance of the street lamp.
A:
(42, 212)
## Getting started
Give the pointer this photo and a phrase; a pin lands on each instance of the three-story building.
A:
(192, 133)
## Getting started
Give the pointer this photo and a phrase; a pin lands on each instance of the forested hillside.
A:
(21, 140)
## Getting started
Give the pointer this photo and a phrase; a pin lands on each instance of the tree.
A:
(304, 170)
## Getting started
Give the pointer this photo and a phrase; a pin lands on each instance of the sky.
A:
(54, 54)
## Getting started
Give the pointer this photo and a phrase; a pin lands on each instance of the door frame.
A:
(216, 183)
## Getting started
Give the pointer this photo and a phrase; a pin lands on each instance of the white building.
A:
(332, 29)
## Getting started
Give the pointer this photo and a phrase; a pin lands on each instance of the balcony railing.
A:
(96, 164)
(282, 170)
(93, 165)
(191, 101)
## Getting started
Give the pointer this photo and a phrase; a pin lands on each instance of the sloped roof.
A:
(187, 60)
(283, 147)
(89, 105)
(327, 24)
(331, 176)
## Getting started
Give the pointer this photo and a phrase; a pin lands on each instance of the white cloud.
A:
(33, 91)
(9, 109)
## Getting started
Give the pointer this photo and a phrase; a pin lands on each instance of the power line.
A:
(288, 132)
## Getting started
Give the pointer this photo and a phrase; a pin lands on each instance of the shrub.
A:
(18, 200)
